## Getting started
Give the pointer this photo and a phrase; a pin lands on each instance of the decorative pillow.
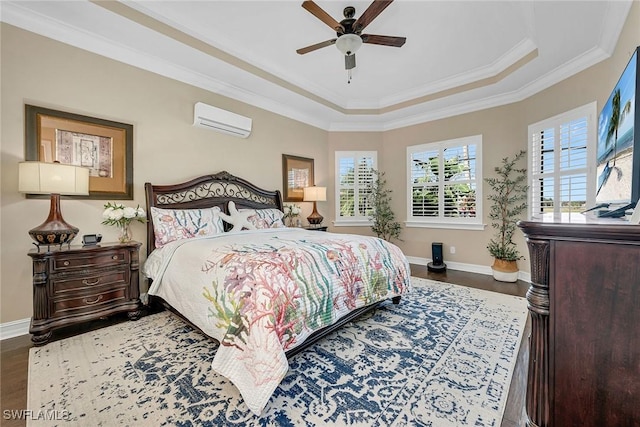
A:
(176, 224)
(239, 219)
(266, 218)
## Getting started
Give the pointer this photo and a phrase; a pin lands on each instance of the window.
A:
(445, 184)
(354, 176)
(561, 155)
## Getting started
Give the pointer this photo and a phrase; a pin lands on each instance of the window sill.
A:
(352, 223)
(447, 225)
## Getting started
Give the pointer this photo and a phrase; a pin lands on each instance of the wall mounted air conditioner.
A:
(215, 118)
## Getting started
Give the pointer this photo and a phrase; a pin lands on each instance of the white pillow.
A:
(266, 218)
(176, 224)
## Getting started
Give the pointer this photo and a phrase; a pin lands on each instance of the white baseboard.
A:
(14, 328)
(469, 268)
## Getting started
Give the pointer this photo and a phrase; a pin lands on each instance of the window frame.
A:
(588, 111)
(463, 223)
(355, 221)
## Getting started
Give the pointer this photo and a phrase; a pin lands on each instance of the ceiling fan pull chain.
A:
(349, 75)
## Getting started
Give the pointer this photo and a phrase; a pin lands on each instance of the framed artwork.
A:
(103, 146)
(297, 173)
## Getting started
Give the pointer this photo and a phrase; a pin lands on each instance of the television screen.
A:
(617, 179)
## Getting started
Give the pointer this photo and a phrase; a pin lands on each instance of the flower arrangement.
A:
(292, 211)
(121, 216)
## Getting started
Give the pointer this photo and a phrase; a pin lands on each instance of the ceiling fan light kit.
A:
(348, 44)
(348, 31)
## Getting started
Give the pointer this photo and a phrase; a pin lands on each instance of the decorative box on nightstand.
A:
(318, 228)
(76, 284)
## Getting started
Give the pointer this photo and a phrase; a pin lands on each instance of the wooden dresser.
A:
(76, 284)
(584, 301)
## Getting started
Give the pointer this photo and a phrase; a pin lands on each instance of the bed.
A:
(219, 256)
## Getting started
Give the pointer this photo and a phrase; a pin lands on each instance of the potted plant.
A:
(508, 199)
(384, 224)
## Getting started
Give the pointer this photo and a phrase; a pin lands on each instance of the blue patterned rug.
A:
(443, 357)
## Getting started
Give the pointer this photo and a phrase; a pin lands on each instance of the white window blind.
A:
(561, 151)
(444, 185)
(353, 182)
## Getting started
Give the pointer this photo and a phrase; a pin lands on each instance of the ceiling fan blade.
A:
(383, 40)
(350, 61)
(370, 14)
(316, 46)
(319, 13)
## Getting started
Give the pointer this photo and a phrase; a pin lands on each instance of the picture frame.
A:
(297, 173)
(104, 146)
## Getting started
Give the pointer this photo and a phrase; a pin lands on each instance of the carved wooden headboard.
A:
(205, 192)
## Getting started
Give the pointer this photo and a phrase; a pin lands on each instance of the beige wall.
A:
(167, 149)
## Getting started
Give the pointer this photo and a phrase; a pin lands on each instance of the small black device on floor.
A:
(437, 265)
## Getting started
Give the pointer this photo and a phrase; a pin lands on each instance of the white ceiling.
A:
(460, 56)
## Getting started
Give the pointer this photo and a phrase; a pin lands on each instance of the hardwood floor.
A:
(14, 352)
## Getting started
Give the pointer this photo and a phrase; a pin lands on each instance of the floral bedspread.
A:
(263, 292)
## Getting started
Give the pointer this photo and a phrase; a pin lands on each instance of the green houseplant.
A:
(384, 224)
(508, 199)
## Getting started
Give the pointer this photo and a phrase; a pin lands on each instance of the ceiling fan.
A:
(349, 31)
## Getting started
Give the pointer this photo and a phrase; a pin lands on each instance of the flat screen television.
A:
(618, 149)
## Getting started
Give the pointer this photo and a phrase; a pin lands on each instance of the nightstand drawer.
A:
(90, 260)
(70, 306)
(75, 284)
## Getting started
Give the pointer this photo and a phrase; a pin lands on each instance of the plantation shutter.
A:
(459, 181)
(424, 183)
(443, 182)
(353, 181)
(559, 163)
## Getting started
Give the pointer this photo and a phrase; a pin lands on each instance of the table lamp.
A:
(55, 179)
(315, 194)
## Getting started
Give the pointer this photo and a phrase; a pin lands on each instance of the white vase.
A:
(505, 271)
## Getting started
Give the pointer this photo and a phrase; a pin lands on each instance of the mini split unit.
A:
(215, 118)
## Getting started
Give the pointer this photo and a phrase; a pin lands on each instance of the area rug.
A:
(443, 357)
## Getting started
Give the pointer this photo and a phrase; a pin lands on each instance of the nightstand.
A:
(318, 228)
(80, 283)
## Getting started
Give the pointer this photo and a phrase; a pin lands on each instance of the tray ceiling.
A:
(460, 56)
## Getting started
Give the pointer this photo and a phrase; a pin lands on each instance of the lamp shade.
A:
(348, 44)
(315, 194)
(52, 178)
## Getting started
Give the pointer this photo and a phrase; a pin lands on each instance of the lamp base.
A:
(55, 230)
(58, 234)
(315, 218)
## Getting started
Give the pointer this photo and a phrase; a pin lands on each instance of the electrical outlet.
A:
(452, 249)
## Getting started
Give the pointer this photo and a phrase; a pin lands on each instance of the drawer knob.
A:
(88, 283)
(114, 257)
(66, 263)
(86, 300)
